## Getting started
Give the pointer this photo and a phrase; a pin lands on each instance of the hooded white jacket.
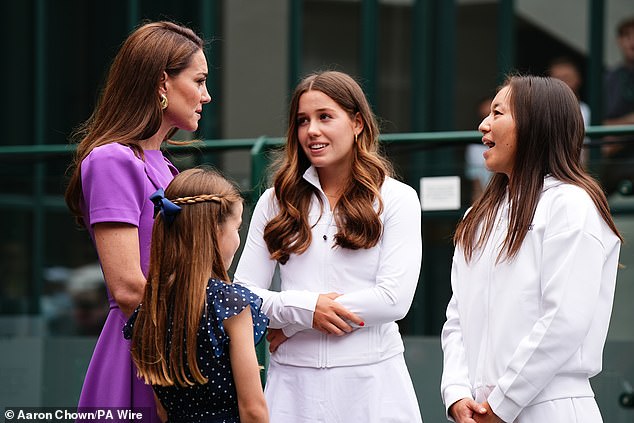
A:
(377, 284)
(532, 329)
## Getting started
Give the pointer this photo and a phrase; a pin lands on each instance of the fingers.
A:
(345, 317)
(488, 416)
(330, 317)
(348, 315)
(334, 325)
(276, 338)
(343, 312)
(466, 410)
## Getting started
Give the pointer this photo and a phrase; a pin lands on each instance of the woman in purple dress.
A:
(155, 86)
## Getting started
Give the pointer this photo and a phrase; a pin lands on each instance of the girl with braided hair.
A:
(193, 336)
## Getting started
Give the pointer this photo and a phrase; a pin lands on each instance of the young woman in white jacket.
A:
(347, 238)
(534, 269)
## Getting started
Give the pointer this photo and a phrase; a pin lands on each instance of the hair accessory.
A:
(202, 198)
(164, 206)
(164, 102)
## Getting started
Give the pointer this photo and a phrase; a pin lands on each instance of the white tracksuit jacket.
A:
(533, 329)
(377, 283)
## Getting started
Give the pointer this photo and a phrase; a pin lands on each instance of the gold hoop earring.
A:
(164, 102)
(356, 138)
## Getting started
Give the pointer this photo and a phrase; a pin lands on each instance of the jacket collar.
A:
(550, 182)
(311, 176)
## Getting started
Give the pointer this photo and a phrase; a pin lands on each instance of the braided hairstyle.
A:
(202, 198)
(184, 255)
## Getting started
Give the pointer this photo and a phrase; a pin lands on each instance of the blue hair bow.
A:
(164, 206)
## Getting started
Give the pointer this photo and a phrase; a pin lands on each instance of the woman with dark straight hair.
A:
(534, 269)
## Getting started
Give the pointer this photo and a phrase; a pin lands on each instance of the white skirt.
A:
(374, 393)
(565, 410)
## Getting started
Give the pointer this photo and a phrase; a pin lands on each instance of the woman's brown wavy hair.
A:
(129, 109)
(357, 220)
(183, 256)
(550, 132)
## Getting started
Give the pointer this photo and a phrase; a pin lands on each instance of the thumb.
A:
(477, 407)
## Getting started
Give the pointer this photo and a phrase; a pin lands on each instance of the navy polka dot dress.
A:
(216, 401)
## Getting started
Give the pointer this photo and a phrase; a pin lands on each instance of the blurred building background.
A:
(425, 65)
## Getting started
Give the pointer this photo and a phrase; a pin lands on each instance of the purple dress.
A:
(116, 186)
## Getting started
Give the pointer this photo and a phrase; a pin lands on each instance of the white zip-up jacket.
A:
(532, 329)
(377, 284)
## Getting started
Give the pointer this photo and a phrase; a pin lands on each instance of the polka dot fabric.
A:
(216, 401)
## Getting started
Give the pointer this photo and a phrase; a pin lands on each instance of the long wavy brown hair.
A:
(550, 131)
(358, 223)
(129, 109)
(184, 255)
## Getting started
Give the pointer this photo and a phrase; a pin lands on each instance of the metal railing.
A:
(38, 201)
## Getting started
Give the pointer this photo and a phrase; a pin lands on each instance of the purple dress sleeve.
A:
(117, 186)
(113, 183)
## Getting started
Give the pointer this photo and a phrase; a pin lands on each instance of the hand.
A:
(330, 316)
(276, 338)
(489, 417)
(466, 410)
